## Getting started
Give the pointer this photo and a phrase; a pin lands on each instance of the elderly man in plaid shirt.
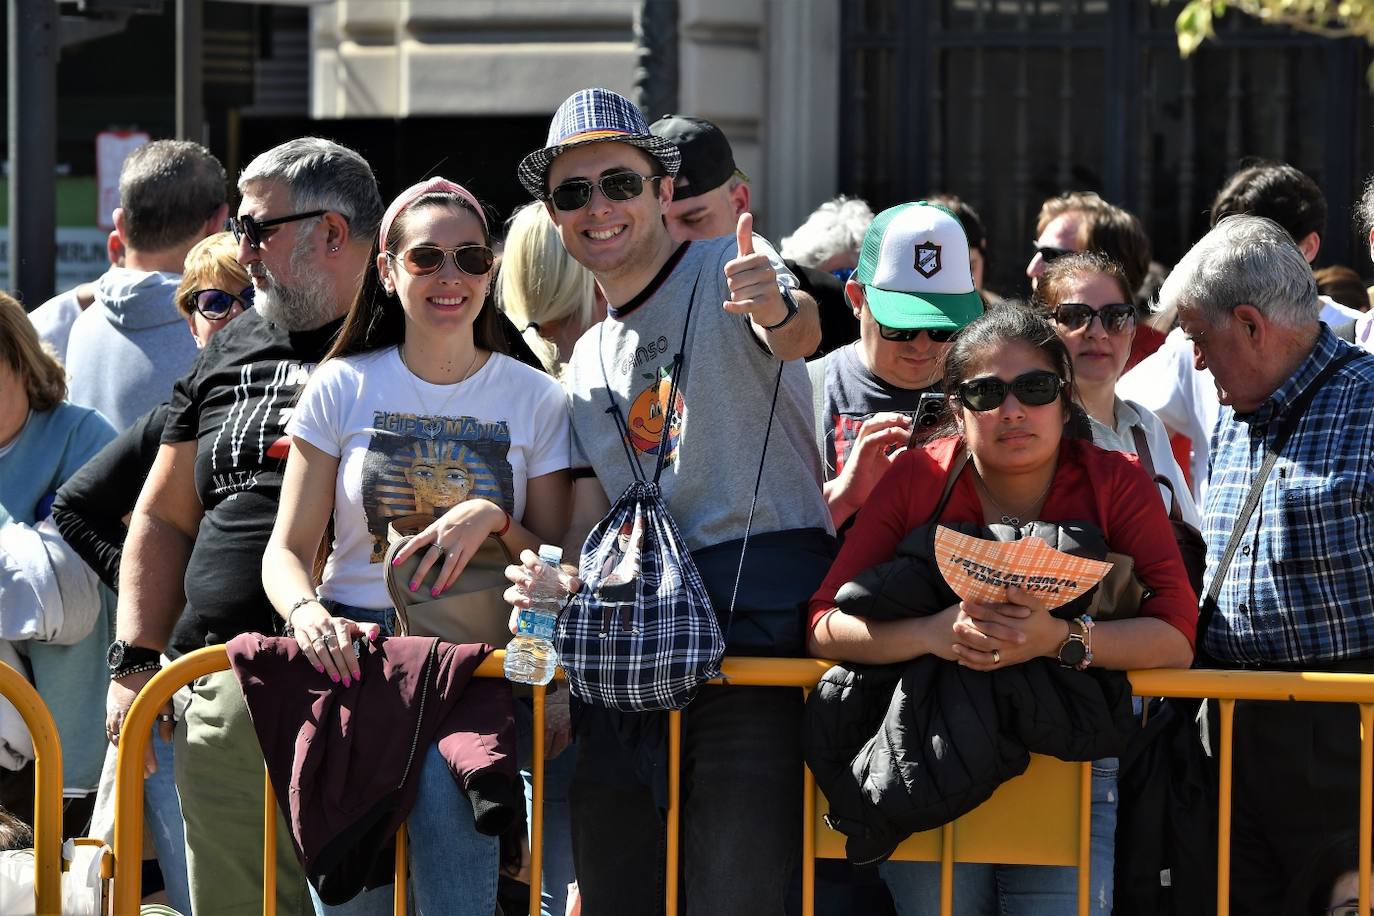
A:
(1298, 593)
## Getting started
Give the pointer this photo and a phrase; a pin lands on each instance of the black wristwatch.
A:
(127, 658)
(1073, 650)
(792, 310)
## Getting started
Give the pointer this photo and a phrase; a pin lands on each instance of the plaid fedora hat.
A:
(594, 116)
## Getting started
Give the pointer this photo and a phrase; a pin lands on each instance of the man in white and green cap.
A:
(912, 291)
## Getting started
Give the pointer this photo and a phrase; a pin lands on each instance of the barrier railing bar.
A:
(1228, 712)
(1313, 686)
(947, 869)
(1366, 800)
(1085, 837)
(536, 805)
(674, 811)
(269, 847)
(47, 789)
(808, 862)
(398, 892)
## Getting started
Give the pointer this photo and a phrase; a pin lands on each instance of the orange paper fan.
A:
(980, 571)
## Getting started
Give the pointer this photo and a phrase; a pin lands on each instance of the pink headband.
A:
(416, 191)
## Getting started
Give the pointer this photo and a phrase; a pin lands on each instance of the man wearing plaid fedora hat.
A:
(733, 311)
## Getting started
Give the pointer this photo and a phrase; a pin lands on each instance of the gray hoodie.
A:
(127, 349)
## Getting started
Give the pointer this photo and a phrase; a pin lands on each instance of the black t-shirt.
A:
(234, 404)
(838, 324)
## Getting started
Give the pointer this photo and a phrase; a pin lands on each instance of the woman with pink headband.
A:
(417, 408)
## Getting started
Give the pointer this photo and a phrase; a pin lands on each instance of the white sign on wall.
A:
(112, 147)
(81, 256)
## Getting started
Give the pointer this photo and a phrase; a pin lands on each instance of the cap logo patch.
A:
(927, 259)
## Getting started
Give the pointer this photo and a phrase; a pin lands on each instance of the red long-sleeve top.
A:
(1108, 488)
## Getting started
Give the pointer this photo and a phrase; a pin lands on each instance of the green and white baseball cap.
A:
(915, 270)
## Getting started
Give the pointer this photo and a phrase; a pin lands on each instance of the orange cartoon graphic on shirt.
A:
(649, 415)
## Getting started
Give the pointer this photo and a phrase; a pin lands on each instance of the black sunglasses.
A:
(423, 260)
(216, 304)
(246, 227)
(1033, 389)
(1116, 317)
(901, 335)
(575, 193)
(1049, 253)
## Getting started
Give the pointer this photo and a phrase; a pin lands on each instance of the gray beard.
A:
(304, 307)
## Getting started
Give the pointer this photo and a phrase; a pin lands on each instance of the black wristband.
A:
(135, 669)
(792, 310)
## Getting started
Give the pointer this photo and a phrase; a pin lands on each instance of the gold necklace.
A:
(1008, 518)
(432, 430)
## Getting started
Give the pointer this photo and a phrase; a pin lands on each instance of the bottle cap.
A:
(550, 553)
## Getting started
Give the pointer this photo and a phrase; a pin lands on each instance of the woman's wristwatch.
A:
(1076, 649)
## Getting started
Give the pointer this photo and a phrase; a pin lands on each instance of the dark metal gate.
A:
(1007, 102)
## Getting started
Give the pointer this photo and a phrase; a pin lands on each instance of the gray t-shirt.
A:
(717, 424)
(852, 395)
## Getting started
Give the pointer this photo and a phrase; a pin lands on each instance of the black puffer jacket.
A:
(903, 748)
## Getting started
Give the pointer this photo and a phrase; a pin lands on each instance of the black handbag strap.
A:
(1285, 432)
(679, 361)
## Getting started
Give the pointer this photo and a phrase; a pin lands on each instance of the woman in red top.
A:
(1010, 383)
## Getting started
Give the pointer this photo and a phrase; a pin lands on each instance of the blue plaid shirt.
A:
(1300, 589)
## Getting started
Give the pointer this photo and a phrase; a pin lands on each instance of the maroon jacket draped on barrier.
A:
(344, 760)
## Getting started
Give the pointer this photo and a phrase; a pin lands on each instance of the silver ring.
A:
(996, 657)
(166, 717)
(319, 640)
(328, 638)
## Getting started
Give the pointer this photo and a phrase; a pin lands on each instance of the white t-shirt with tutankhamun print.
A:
(406, 446)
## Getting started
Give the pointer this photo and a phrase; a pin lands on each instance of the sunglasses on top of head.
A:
(423, 260)
(1049, 253)
(216, 304)
(1116, 317)
(1033, 389)
(902, 335)
(576, 193)
(257, 231)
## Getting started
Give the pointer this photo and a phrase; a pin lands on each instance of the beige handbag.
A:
(472, 610)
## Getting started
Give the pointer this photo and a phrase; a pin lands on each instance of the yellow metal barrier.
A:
(47, 789)
(1051, 793)
(133, 744)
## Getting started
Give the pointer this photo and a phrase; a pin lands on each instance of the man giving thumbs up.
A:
(721, 318)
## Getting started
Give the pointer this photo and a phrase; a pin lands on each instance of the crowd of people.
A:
(214, 442)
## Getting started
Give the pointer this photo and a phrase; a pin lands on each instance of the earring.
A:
(333, 247)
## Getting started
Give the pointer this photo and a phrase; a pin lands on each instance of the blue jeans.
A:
(1018, 890)
(162, 815)
(453, 868)
(558, 773)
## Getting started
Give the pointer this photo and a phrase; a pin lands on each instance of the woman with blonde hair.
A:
(214, 288)
(548, 295)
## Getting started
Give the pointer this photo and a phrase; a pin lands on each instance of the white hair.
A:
(1245, 259)
(836, 227)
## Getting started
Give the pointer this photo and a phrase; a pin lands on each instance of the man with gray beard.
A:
(309, 213)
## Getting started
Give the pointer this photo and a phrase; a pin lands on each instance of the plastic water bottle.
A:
(530, 656)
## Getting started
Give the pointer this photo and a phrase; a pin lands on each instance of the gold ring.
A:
(996, 657)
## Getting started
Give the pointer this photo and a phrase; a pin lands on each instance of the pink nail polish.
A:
(320, 668)
(414, 586)
(347, 682)
(359, 678)
(396, 562)
(434, 592)
(334, 678)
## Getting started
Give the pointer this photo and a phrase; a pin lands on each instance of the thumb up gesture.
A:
(752, 280)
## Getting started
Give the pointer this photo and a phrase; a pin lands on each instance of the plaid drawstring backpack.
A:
(642, 634)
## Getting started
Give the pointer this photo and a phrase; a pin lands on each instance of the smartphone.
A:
(929, 411)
